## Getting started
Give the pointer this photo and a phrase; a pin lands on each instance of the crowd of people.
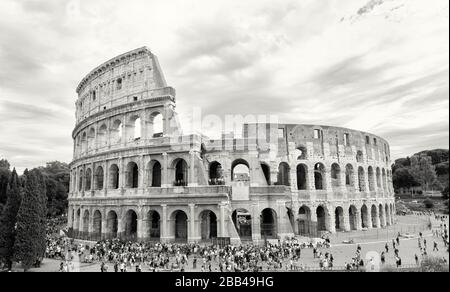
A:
(122, 256)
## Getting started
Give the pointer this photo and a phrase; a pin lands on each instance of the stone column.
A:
(92, 189)
(256, 224)
(192, 180)
(105, 178)
(140, 229)
(120, 226)
(222, 232)
(165, 172)
(328, 185)
(70, 217)
(192, 236)
(91, 225)
(346, 216)
(163, 224)
(332, 220)
(358, 218)
(141, 172)
(104, 224)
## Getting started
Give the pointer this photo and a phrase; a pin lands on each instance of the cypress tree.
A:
(29, 246)
(8, 219)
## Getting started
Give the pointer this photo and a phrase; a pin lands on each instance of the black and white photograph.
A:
(224, 142)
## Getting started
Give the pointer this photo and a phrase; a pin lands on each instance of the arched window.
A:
(114, 177)
(283, 174)
(359, 156)
(91, 139)
(133, 175)
(155, 168)
(335, 175)
(300, 153)
(116, 131)
(349, 176)
(156, 128)
(240, 170)
(361, 179)
(88, 179)
(102, 136)
(302, 171)
(371, 179)
(181, 172)
(216, 173)
(319, 174)
(99, 177)
(137, 129)
(378, 178)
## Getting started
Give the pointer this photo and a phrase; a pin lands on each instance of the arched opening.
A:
(371, 177)
(85, 224)
(266, 171)
(97, 224)
(349, 176)
(155, 177)
(208, 225)
(364, 217)
(242, 220)
(283, 174)
(378, 173)
(359, 156)
(111, 225)
(319, 174)
(84, 142)
(180, 221)
(302, 171)
(353, 217)
(102, 136)
(382, 215)
(80, 181)
(99, 176)
(116, 132)
(268, 223)
(130, 230)
(305, 225)
(339, 219)
(240, 170)
(156, 128)
(154, 227)
(300, 153)
(132, 175)
(216, 173)
(88, 179)
(91, 139)
(384, 180)
(181, 172)
(388, 215)
(374, 216)
(114, 177)
(361, 179)
(137, 129)
(335, 175)
(322, 218)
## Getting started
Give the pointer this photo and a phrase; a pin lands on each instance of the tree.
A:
(29, 246)
(445, 193)
(57, 178)
(8, 219)
(402, 178)
(4, 180)
(423, 171)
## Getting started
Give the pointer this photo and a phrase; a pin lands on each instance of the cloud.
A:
(376, 66)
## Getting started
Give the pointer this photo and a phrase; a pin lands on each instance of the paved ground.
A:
(370, 241)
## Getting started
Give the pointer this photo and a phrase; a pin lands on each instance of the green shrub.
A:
(428, 203)
(433, 264)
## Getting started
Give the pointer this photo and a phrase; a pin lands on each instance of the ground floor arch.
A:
(322, 218)
(242, 221)
(268, 223)
(374, 214)
(305, 225)
(111, 224)
(131, 225)
(180, 225)
(339, 219)
(153, 225)
(208, 225)
(365, 217)
(97, 225)
(353, 217)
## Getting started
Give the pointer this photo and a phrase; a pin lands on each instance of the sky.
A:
(380, 66)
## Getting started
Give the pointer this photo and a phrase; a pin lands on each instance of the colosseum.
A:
(135, 176)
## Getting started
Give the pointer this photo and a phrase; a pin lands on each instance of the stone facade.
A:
(137, 177)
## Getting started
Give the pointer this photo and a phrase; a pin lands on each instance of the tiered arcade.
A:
(137, 177)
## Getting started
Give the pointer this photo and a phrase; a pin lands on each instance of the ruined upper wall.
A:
(126, 78)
